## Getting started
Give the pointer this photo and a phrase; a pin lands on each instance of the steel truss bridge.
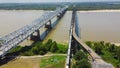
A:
(13, 39)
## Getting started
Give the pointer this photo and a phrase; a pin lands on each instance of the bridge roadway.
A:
(13, 39)
(97, 61)
(68, 59)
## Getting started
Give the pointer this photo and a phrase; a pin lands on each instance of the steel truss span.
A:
(11, 40)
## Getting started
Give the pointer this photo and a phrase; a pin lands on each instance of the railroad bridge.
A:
(75, 40)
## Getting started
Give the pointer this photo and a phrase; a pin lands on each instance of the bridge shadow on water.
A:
(77, 27)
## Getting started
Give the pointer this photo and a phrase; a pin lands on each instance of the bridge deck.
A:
(91, 52)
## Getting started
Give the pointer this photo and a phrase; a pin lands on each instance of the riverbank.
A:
(117, 44)
(105, 10)
(34, 56)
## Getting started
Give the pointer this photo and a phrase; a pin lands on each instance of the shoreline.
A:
(21, 10)
(106, 10)
(117, 44)
(111, 42)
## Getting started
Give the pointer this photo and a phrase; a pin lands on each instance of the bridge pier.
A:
(48, 25)
(37, 37)
(74, 46)
(60, 15)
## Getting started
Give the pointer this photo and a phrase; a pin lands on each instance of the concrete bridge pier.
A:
(36, 37)
(60, 15)
(48, 25)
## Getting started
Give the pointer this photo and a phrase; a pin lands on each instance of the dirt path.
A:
(23, 63)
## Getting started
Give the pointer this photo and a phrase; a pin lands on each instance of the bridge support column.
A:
(60, 15)
(49, 25)
(37, 37)
(74, 46)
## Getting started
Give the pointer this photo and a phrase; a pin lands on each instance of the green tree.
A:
(102, 43)
(54, 47)
(41, 52)
(28, 53)
(35, 50)
(118, 53)
(74, 66)
(80, 55)
(98, 48)
(48, 45)
(107, 45)
(112, 48)
(38, 45)
(83, 63)
(42, 48)
(89, 43)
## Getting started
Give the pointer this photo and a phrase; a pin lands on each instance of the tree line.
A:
(52, 6)
(81, 60)
(109, 52)
(39, 48)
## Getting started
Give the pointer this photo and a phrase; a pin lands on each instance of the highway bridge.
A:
(97, 61)
(13, 39)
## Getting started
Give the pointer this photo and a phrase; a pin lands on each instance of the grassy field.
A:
(53, 62)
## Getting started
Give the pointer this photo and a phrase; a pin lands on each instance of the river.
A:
(94, 26)
(100, 26)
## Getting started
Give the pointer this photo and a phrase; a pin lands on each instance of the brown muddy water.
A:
(100, 26)
(94, 26)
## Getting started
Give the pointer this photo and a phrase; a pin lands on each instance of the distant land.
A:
(52, 6)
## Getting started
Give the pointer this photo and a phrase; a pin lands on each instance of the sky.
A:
(20, 1)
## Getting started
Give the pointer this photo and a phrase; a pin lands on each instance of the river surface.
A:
(98, 26)
(94, 26)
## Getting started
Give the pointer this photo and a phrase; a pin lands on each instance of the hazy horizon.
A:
(46, 1)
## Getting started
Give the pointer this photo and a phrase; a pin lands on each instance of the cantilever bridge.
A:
(13, 39)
